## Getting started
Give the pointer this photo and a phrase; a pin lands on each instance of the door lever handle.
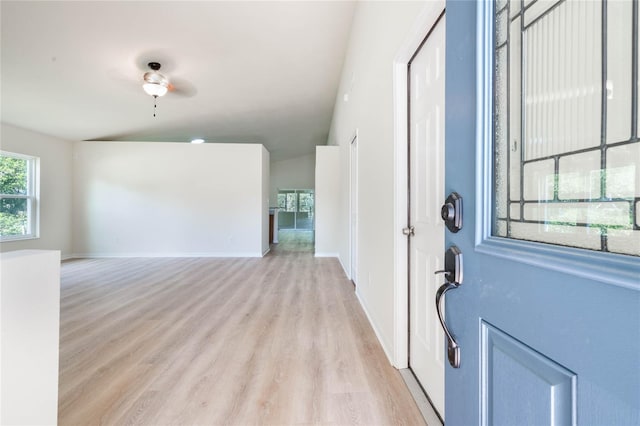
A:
(453, 350)
(452, 266)
(453, 276)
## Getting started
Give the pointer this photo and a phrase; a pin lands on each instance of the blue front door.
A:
(542, 145)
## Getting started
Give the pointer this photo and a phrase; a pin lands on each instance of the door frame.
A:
(423, 24)
(353, 205)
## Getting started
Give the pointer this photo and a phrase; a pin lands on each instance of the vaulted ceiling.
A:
(245, 72)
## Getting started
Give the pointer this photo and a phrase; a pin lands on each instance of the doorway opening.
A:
(416, 257)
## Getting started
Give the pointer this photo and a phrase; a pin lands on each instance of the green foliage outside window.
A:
(282, 201)
(306, 202)
(296, 201)
(291, 202)
(287, 201)
(13, 181)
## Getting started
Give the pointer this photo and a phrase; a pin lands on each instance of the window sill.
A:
(10, 239)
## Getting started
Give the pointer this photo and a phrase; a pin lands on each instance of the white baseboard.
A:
(323, 254)
(116, 255)
(346, 273)
(375, 330)
(266, 251)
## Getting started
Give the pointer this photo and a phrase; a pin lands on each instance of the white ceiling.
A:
(251, 72)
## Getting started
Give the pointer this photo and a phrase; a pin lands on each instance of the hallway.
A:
(274, 340)
(293, 241)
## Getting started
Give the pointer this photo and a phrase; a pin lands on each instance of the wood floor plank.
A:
(280, 340)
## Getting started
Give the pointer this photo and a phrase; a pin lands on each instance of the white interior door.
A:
(354, 208)
(426, 194)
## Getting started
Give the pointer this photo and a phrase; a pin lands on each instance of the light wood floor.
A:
(277, 340)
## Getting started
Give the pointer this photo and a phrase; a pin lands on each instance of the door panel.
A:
(548, 334)
(426, 174)
(511, 368)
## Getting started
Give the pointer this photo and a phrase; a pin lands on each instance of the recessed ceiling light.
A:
(197, 141)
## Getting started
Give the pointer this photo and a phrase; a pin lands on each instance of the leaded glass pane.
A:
(566, 149)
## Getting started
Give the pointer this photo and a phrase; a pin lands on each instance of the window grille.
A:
(566, 148)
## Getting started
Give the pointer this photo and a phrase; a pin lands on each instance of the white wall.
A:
(265, 172)
(379, 29)
(29, 339)
(168, 199)
(294, 173)
(55, 187)
(328, 197)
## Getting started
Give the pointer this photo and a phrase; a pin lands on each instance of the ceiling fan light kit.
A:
(154, 89)
(155, 84)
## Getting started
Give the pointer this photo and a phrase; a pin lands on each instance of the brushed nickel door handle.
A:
(453, 275)
(453, 350)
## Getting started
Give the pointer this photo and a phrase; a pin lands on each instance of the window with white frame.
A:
(296, 209)
(18, 196)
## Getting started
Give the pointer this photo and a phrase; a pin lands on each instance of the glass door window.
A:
(296, 209)
(566, 113)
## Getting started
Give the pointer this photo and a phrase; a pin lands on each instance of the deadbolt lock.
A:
(451, 212)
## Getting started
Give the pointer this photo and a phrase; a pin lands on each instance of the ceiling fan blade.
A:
(131, 75)
(124, 79)
(182, 88)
